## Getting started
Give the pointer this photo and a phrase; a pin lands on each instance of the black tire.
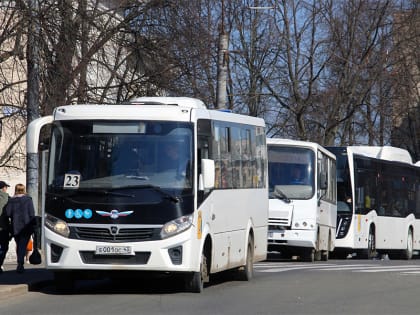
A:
(407, 254)
(317, 251)
(194, 282)
(325, 253)
(64, 281)
(318, 255)
(370, 251)
(246, 272)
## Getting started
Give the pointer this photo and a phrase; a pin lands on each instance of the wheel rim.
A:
(250, 260)
(409, 244)
(371, 244)
(203, 273)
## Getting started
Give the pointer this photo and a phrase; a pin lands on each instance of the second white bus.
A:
(302, 190)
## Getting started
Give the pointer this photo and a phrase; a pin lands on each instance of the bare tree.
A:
(87, 48)
(291, 77)
(256, 46)
(186, 39)
(321, 70)
(12, 87)
(359, 33)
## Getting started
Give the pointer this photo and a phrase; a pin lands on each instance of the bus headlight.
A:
(344, 225)
(56, 225)
(176, 226)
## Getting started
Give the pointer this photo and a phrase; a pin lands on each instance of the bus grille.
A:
(139, 258)
(278, 221)
(103, 234)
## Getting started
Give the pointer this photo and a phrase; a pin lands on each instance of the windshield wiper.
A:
(281, 195)
(143, 177)
(167, 195)
(93, 191)
(158, 189)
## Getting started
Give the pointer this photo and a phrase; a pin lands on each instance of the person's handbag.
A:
(35, 258)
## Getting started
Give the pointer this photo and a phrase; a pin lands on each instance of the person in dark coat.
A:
(4, 224)
(20, 209)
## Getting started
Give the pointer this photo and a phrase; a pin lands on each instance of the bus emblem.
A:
(114, 214)
(114, 230)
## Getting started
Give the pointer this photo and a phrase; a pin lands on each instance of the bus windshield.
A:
(123, 154)
(291, 172)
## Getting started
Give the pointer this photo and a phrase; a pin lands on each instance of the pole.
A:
(32, 58)
(222, 63)
(222, 70)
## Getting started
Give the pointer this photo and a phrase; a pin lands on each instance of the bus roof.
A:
(388, 153)
(152, 108)
(299, 143)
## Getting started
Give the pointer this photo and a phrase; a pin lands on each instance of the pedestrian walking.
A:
(4, 223)
(20, 209)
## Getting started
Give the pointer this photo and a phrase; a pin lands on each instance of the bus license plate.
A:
(114, 250)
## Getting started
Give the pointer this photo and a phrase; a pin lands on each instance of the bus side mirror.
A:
(207, 174)
(323, 181)
(33, 132)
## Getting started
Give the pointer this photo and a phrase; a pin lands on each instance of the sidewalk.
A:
(13, 283)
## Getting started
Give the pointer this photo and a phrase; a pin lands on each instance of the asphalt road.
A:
(279, 287)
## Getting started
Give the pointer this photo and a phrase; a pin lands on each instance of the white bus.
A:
(378, 202)
(160, 184)
(302, 205)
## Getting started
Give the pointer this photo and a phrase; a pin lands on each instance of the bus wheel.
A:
(64, 281)
(325, 253)
(370, 251)
(408, 252)
(195, 282)
(317, 251)
(246, 272)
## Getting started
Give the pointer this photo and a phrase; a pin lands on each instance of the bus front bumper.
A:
(174, 254)
(293, 238)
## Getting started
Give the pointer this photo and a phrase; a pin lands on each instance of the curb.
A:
(8, 291)
(13, 290)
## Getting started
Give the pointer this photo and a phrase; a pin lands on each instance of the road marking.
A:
(346, 267)
(391, 268)
(276, 267)
(286, 268)
(276, 264)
